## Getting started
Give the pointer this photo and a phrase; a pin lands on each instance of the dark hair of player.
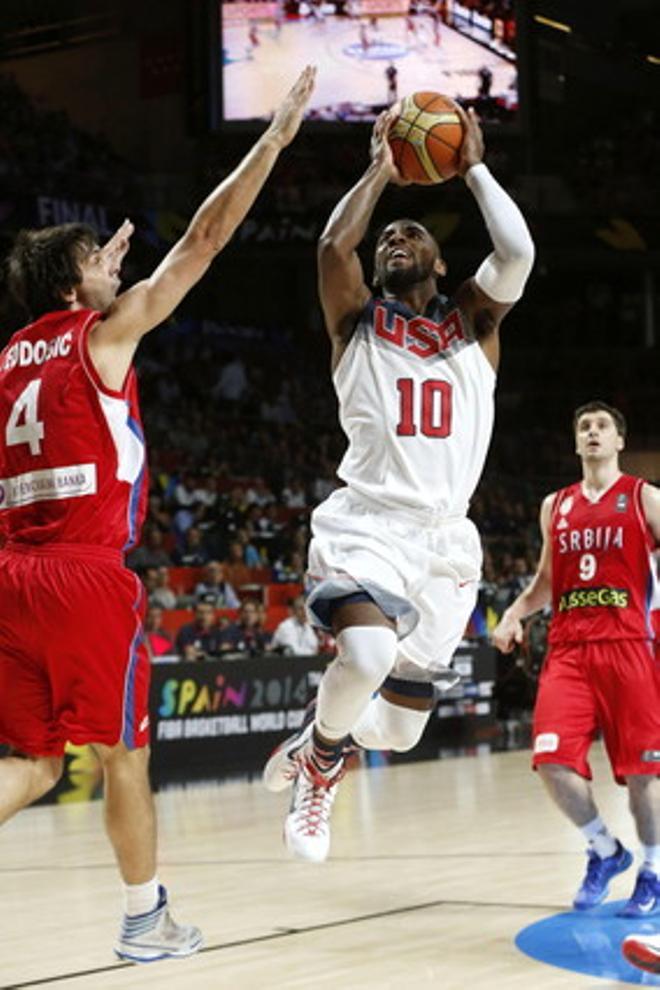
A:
(45, 264)
(596, 406)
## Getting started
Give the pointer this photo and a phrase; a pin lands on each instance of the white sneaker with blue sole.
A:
(155, 935)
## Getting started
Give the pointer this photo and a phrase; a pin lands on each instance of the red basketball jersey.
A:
(72, 457)
(603, 578)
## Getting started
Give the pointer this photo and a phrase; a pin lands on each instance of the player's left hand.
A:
(116, 249)
(288, 116)
(472, 148)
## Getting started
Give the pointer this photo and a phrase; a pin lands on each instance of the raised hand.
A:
(380, 149)
(288, 117)
(115, 250)
(472, 149)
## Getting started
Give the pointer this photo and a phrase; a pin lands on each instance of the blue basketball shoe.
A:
(155, 935)
(645, 899)
(596, 884)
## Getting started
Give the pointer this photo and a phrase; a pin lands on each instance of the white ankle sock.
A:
(651, 859)
(139, 898)
(599, 837)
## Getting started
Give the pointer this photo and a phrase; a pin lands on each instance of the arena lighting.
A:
(557, 25)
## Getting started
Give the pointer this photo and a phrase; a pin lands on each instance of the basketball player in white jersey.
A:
(394, 562)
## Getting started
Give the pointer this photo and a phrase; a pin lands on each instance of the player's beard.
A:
(399, 279)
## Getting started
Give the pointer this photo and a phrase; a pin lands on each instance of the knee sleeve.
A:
(366, 654)
(383, 725)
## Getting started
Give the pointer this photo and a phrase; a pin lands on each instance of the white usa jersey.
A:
(416, 403)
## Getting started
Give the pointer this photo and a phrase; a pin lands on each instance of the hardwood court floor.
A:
(435, 867)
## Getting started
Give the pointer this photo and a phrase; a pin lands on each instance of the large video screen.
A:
(368, 53)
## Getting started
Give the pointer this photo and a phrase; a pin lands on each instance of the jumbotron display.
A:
(368, 53)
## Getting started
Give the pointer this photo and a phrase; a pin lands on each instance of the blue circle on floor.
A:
(589, 942)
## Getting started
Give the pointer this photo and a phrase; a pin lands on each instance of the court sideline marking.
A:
(288, 932)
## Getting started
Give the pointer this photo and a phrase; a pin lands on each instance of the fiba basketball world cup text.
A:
(209, 705)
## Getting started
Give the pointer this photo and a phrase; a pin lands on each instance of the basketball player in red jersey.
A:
(596, 568)
(73, 665)
(394, 561)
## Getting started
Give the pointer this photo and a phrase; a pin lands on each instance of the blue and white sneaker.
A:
(155, 935)
(285, 762)
(645, 899)
(600, 870)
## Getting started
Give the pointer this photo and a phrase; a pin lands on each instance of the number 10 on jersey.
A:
(427, 412)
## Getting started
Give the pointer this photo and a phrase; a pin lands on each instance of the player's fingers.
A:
(465, 118)
(120, 238)
(379, 125)
(127, 231)
(385, 120)
(389, 118)
(305, 82)
(474, 117)
(309, 78)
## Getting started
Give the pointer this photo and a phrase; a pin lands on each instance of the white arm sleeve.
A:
(503, 274)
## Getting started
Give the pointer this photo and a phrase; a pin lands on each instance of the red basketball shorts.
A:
(73, 664)
(610, 686)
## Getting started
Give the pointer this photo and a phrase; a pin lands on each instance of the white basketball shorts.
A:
(423, 573)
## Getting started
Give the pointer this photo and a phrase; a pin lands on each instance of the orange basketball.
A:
(426, 138)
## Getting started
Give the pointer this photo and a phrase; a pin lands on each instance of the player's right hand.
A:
(380, 149)
(288, 117)
(472, 148)
(507, 633)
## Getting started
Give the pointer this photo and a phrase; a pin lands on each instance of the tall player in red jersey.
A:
(73, 666)
(600, 673)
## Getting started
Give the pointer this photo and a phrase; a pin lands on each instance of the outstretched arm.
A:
(342, 287)
(145, 305)
(500, 279)
(536, 595)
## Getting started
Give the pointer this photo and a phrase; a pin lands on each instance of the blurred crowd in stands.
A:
(619, 169)
(42, 151)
